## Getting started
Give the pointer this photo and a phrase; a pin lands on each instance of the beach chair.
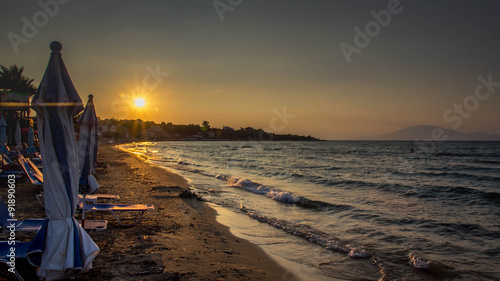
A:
(36, 178)
(21, 249)
(91, 199)
(34, 224)
(31, 171)
(10, 167)
(117, 210)
(22, 225)
(95, 198)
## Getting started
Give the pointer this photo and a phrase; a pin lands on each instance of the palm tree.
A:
(12, 78)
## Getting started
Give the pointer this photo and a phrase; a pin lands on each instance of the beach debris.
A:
(187, 193)
(228, 252)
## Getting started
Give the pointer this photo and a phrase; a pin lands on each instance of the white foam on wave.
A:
(417, 262)
(358, 252)
(275, 194)
(312, 235)
(222, 177)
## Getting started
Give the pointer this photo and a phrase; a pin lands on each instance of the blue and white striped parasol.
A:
(3, 136)
(87, 147)
(31, 136)
(17, 137)
(61, 247)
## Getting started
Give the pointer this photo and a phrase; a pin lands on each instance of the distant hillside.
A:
(426, 133)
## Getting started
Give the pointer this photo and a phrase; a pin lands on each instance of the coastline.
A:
(180, 240)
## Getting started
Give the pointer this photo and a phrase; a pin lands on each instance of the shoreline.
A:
(180, 240)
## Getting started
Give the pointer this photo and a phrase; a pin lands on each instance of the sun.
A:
(139, 102)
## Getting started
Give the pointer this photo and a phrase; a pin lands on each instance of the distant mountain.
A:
(428, 132)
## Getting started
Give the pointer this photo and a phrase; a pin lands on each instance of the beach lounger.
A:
(31, 171)
(91, 199)
(10, 167)
(36, 178)
(21, 249)
(35, 224)
(7, 159)
(95, 198)
(117, 210)
(97, 225)
(21, 225)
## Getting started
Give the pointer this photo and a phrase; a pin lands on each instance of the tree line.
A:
(148, 129)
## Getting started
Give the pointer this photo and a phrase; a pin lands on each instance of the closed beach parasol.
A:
(31, 135)
(17, 136)
(61, 247)
(3, 136)
(3, 139)
(87, 147)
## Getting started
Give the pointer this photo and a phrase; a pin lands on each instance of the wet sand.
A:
(179, 240)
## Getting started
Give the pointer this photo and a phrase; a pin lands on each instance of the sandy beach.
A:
(179, 240)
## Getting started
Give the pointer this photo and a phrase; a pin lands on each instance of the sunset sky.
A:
(239, 65)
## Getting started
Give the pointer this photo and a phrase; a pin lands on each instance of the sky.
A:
(331, 69)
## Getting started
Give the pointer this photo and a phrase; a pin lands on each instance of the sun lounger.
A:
(95, 198)
(91, 199)
(97, 225)
(10, 167)
(7, 159)
(21, 225)
(35, 224)
(117, 210)
(21, 249)
(36, 178)
(32, 172)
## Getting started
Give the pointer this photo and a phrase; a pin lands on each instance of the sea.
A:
(352, 210)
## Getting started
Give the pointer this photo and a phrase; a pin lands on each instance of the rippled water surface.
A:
(355, 210)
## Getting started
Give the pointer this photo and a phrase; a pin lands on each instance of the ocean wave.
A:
(459, 229)
(452, 154)
(275, 194)
(461, 176)
(417, 262)
(348, 183)
(460, 193)
(435, 268)
(463, 167)
(222, 177)
(486, 161)
(272, 148)
(313, 235)
(279, 195)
